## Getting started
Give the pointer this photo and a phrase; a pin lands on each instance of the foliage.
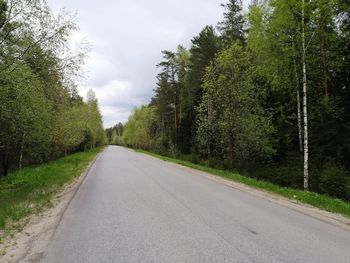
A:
(138, 129)
(232, 27)
(232, 105)
(334, 180)
(114, 134)
(41, 115)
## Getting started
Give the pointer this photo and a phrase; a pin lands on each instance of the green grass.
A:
(30, 190)
(320, 201)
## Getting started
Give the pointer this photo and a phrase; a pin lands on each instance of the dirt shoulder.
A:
(29, 244)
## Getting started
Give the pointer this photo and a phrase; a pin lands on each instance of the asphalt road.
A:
(134, 208)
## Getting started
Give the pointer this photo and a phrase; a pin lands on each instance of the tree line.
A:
(265, 92)
(42, 117)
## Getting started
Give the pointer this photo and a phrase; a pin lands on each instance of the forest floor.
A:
(32, 201)
(323, 202)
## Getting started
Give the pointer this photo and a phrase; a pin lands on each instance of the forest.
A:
(42, 117)
(265, 92)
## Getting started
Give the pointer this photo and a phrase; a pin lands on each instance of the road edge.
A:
(334, 219)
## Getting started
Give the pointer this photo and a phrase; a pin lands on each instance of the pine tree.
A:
(232, 27)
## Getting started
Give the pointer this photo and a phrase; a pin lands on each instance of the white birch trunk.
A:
(306, 143)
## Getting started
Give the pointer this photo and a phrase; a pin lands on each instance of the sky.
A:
(127, 37)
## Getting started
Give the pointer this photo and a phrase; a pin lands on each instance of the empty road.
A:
(135, 208)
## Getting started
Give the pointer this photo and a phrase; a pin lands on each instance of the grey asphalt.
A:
(135, 208)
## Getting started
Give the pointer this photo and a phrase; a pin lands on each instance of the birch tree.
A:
(305, 109)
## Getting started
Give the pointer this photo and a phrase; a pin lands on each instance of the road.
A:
(135, 208)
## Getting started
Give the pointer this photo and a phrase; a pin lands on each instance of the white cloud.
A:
(116, 100)
(127, 39)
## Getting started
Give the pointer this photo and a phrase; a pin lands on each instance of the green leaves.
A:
(231, 119)
(41, 115)
(231, 28)
(24, 111)
(138, 130)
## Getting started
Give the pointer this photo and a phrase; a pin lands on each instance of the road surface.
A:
(135, 208)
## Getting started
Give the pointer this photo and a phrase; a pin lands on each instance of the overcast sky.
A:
(127, 38)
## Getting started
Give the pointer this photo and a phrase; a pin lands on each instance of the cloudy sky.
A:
(127, 38)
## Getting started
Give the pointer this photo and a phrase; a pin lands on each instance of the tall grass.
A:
(30, 190)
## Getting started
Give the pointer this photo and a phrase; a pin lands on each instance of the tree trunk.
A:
(118, 137)
(21, 152)
(175, 122)
(306, 142)
(209, 121)
(231, 155)
(21, 159)
(298, 102)
(163, 125)
(181, 110)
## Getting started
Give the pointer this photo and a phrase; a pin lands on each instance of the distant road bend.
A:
(135, 208)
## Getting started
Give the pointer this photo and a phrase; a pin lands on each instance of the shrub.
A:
(334, 181)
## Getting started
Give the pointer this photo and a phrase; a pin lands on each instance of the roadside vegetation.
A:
(31, 189)
(42, 116)
(323, 202)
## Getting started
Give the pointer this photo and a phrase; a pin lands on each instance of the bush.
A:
(159, 145)
(174, 151)
(334, 181)
(289, 175)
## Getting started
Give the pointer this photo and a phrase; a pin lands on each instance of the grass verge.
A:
(30, 190)
(323, 202)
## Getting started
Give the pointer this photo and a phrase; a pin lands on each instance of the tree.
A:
(342, 78)
(115, 133)
(93, 122)
(138, 129)
(231, 28)
(79, 125)
(243, 130)
(305, 109)
(68, 131)
(24, 116)
(203, 50)
(41, 113)
(172, 96)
